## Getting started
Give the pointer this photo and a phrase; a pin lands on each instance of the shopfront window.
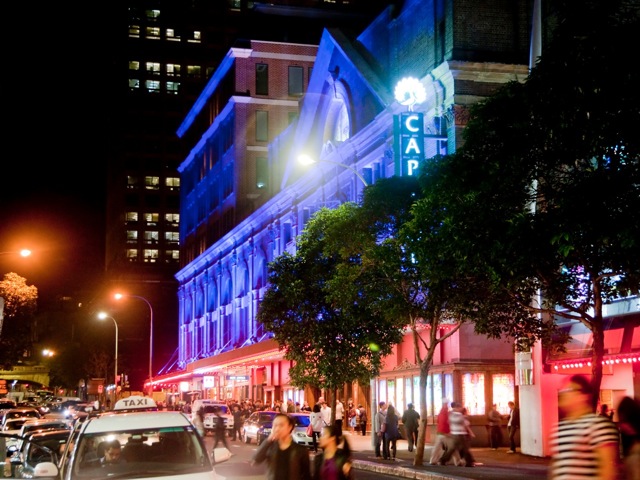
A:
(473, 393)
(391, 392)
(382, 390)
(503, 391)
(400, 395)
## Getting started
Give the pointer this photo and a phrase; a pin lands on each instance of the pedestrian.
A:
(305, 407)
(361, 413)
(411, 422)
(334, 463)
(315, 419)
(220, 430)
(459, 434)
(198, 422)
(584, 445)
(391, 434)
(352, 415)
(629, 426)
(605, 412)
(238, 420)
(376, 425)
(339, 415)
(325, 410)
(286, 460)
(512, 425)
(495, 427)
(443, 441)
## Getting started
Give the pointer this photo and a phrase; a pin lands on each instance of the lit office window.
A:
(132, 254)
(152, 33)
(296, 86)
(153, 67)
(170, 34)
(152, 86)
(172, 219)
(194, 70)
(173, 87)
(172, 237)
(197, 35)
(132, 181)
(151, 237)
(131, 216)
(134, 84)
(262, 126)
(152, 15)
(151, 218)
(262, 172)
(134, 65)
(150, 255)
(172, 256)
(132, 236)
(134, 31)
(172, 182)
(262, 79)
(173, 69)
(151, 183)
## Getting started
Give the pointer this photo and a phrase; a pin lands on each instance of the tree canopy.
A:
(20, 304)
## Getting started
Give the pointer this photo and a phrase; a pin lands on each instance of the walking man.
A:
(513, 425)
(411, 421)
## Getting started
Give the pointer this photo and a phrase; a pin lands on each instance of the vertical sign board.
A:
(410, 136)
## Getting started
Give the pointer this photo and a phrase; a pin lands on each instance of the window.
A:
(173, 69)
(262, 126)
(473, 393)
(151, 218)
(194, 70)
(134, 65)
(172, 237)
(196, 38)
(134, 84)
(152, 86)
(151, 237)
(173, 87)
(132, 216)
(134, 31)
(293, 116)
(132, 181)
(296, 87)
(172, 256)
(132, 236)
(172, 219)
(262, 172)
(172, 182)
(153, 68)
(152, 15)
(151, 183)
(153, 33)
(150, 255)
(132, 254)
(262, 79)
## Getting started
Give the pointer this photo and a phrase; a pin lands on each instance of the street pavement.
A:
(490, 464)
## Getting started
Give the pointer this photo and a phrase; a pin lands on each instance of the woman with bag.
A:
(391, 434)
(316, 423)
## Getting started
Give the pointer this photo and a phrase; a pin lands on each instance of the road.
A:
(239, 466)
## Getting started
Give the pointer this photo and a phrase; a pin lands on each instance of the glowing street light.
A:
(103, 316)
(47, 352)
(118, 296)
(25, 252)
(305, 159)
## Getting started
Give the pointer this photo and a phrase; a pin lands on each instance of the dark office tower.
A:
(162, 60)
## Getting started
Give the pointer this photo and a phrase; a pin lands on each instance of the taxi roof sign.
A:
(135, 403)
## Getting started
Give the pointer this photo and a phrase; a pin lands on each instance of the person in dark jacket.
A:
(513, 425)
(391, 434)
(286, 460)
(334, 463)
(411, 422)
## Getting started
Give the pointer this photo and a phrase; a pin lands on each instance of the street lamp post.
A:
(102, 316)
(119, 296)
(305, 159)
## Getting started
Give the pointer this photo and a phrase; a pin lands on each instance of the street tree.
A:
(315, 308)
(542, 203)
(20, 304)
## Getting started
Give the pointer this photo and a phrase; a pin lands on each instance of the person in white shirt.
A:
(325, 410)
(339, 416)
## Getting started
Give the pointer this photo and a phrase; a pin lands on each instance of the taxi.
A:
(134, 440)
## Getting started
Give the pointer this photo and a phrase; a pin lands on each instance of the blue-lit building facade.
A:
(245, 197)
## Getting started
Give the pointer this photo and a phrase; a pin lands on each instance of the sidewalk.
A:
(490, 464)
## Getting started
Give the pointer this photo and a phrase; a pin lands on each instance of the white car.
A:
(210, 418)
(155, 445)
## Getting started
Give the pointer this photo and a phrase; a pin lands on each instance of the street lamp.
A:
(118, 296)
(305, 159)
(23, 253)
(102, 316)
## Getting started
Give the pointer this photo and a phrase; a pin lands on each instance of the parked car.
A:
(37, 448)
(210, 418)
(253, 427)
(300, 430)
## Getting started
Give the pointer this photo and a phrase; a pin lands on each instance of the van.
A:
(209, 419)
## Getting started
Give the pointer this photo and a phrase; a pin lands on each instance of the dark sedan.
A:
(257, 427)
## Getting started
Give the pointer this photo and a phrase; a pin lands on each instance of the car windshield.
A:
(143, 453)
